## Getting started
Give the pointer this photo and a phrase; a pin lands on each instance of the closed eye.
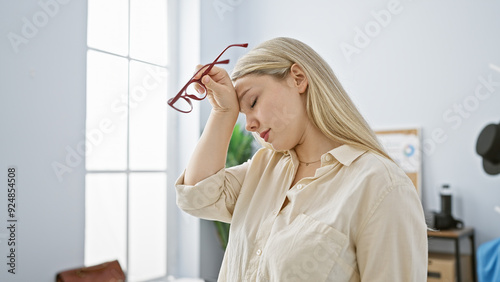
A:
(253, 104)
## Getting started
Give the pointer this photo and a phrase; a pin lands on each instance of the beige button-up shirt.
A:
(358, 219)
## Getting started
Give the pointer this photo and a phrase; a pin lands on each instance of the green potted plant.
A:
(239, 151)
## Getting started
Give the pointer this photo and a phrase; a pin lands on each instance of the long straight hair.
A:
(328, 106)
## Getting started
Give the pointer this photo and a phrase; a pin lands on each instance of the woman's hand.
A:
(220, 90)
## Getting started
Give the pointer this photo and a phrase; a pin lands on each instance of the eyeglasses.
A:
(182, 101)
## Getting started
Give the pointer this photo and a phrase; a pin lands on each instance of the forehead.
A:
(245, 83)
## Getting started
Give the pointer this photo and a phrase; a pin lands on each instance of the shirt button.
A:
(300, 186)
(259, 252)
(275, 212)
(328, 158)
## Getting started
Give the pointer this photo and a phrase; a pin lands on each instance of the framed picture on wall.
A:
(404, 147)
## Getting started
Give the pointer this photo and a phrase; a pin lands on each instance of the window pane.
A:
(148, 226)
(108, 25)
(105, 218)
(148, 117)
(106, 133)
(148, 31)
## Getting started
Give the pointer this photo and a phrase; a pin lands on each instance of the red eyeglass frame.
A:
(186, 96)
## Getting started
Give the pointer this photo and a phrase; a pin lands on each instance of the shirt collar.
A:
(346, 154)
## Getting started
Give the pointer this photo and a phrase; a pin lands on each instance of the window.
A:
(126, 134)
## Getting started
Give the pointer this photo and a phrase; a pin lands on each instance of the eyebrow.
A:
(240, 98)
(244, 93)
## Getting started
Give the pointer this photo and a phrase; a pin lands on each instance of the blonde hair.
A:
(328, 106)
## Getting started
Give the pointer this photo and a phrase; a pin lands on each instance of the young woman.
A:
(321, 201)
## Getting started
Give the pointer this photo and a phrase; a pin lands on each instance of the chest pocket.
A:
(305, 250)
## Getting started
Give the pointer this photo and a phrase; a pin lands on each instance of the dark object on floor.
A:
(106, 272)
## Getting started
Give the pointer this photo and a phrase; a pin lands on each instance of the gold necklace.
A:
(307, 164)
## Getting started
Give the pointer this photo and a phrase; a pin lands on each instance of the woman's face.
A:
(273, 108)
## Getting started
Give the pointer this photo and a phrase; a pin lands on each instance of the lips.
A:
(265, 135)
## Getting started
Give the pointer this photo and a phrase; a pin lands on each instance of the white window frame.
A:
(175, 133)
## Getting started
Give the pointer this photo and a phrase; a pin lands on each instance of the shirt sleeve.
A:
(392, 246)
(213, 198)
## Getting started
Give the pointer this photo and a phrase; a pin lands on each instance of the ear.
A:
(299, 77)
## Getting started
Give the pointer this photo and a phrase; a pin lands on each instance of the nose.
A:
(251, 124)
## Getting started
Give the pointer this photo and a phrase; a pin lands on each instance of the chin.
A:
(280, 147)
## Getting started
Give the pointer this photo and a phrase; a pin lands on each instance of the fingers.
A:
(211, 84)
(197, 75)
(198, 72)
(220, 75)
(219, 87)
(217, 74)
(222, 96)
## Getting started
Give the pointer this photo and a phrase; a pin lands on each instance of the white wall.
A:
(425, 62)
(42, 110)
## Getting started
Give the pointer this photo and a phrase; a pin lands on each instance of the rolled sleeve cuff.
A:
(205, 193)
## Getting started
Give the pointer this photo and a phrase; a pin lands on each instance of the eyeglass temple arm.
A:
(215, 61)
(232, 45)
(211, 65)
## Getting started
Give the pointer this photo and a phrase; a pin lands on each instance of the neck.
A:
(313, 145)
